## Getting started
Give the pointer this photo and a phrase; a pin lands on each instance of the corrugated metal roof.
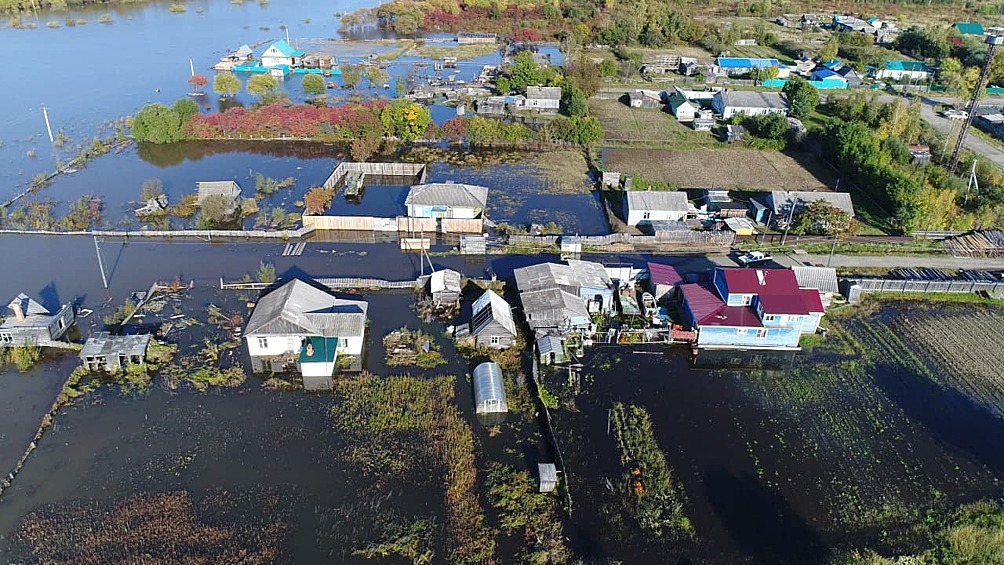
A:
(445, 280)
(733, 316)
(491, 307)
(550, 344)
(969, 28)
(664, 274)
(746, 63)
(103, 343)
(298, 308)
(589, 274)
(823, 279)
(779, 304)
(752, 99)
(287, 49)
(702, 300)
(782, 200)
(544, 92)
(544, 276)
(447, 194)
(549, 307)
(759, 281)
(914, 66)
(662, 200)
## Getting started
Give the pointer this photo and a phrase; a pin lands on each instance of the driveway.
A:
(951, 127)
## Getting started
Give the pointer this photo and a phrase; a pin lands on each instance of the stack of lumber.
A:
(987, 243)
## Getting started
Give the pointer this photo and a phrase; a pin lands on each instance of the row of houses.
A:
(538, 99)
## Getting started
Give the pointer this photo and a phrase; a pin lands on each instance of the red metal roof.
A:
(733, 316)
(709, 310)
(813, 303)
(664, 274)
(747, 281)
(778, 304)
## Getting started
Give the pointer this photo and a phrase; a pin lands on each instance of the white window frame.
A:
(6, 337)
(770, 317)
(761, 333)
(495, 340)
(747, 299)
(262, 343)
(742, 331)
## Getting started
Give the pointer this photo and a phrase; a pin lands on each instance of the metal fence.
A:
(682, 237)
(925, 286)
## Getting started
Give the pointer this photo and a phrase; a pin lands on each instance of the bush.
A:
(156, 123)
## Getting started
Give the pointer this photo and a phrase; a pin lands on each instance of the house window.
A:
(6, 337)
(761, 333)
(262, 343)
(769, 318)
(747, 300)
(496, 340)
(742, 331)
(794, 319)
(646, 215)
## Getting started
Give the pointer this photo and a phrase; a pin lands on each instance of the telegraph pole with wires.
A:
(992, 42)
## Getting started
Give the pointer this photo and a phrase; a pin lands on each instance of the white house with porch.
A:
(298, 325)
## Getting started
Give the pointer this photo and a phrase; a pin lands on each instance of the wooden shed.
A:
(492, 324)
(548, 474)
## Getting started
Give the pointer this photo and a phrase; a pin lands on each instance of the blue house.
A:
(751, 308)
(826, 79)
(742, 65)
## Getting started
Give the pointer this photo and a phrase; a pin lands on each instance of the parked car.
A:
(953, 114)
(754, 258)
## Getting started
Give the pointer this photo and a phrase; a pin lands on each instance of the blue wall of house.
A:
(731, 336)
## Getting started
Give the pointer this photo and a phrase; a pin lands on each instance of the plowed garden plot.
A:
(647, 127)
(721, 168)
(963, 345)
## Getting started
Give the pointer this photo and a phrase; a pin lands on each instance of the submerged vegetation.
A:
(23, 356)
(649, 489)
(521, 508)
(412, 348)
(406, 426)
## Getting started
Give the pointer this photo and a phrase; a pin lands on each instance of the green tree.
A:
(525, 72)
(351, 75)
(573, 100)
(503, 86)
(802, 97)
(156, 123)
(829, 49)
(769, 126)
(822, 218)
(185, 109)
(215, 211)
(608, 68)
(261, 85)
(226, 85)
(312, 84)
(405, 120)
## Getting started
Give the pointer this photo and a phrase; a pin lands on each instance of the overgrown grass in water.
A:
(648, 486)
(400, 424)
(513, 494)
(22, 356)
(405, 347)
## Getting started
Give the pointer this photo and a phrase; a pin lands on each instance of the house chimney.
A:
(18, 306)
(761, 277)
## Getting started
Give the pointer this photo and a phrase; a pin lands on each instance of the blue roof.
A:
(823, 74)
(287, 50)
(905, 66)
(969, 29)
(832, 64)
(746, 63)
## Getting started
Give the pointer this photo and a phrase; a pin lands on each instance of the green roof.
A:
(918, 66)
(323, 349)
(969, 29)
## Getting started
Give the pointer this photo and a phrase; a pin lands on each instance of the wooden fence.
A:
(178, 234)
(936, 286)
(381, 169)
(335, 284)
(682, 237)
(398, 224)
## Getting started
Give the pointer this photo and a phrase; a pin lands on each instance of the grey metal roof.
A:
(752, 99)
(448, 194)
(445, 280)
(544, 92)
(552, 307)
(103, 343)
(782, 200)
(544, 276)
(28, 306)
(297, 308)
(589, 274)
(550, 344)
(823, 279)
(243, 51)
(675, 201)
(491, 307)
(225, 188)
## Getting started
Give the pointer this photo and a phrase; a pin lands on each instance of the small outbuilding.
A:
(611, 179)
(491, 322)
(548, 474)
(652, 205)
(228, 190)
(113, 353)
(741, 226)
(550, 350)
(489, 393)
(444, 286)
(644, 99)
(446, 200)
(662, 280)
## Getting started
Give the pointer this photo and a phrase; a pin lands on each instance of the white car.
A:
(953, 114)
(754, 258)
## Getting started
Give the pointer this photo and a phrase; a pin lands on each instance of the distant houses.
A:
(492, 324)
(26, 322)
(651, 205)
(302, 327)
(728, 103)
(446, 200)
(751, 308)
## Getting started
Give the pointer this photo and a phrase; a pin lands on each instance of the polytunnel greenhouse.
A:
(489, 390)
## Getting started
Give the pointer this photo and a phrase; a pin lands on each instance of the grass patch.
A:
(651, 127)
(461, 52)
(406, 347)
(566, 171)
(521, 508)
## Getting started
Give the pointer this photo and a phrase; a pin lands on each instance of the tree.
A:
(185, 109)
(573, 100)
(351, 75)
(405, 120)
(198, 82)
(769, 126)
(375, 75)
(802, 97)
(503, 86)
(312, 84)
(214, 211)
(822, 218)
(829, 49)
(525, 72)
(608, 68)
(261, 85)
(156, 123)
(226, 85)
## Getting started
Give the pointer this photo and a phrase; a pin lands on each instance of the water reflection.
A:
(173, 154)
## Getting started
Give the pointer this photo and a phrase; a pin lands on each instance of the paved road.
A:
(951, 127)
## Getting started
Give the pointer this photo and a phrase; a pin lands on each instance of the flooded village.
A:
(362, 296)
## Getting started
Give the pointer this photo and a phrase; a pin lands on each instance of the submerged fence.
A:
(341, 283)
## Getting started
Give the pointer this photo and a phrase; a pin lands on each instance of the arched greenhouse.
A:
(489, 390)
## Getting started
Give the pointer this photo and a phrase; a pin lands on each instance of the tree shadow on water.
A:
(760, 520)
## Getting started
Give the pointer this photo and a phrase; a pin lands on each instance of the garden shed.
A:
(550, 349)
(489, 392)
(548, 474)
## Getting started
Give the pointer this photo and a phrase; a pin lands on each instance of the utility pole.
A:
(972, 182)
(101, 265)
(52, 140)
(992, 42)
(832, 248)
(787, 225)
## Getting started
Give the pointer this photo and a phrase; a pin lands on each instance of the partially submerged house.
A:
(562, 298)
(446, 200)
(113, 353)
(298, 325)
(281, 53)
(243, 54)
(227, 190)
(444, 287)
(492, 324)
(28, 322)
(751, 309)
(728, 103)
(543, 99)
(654, 205)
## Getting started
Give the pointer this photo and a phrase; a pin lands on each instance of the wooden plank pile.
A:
(987, 243)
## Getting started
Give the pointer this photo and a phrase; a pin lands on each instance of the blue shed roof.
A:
(823, 74)
(905, 66)
(287, 49)
(969, 29)
(746, 63)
